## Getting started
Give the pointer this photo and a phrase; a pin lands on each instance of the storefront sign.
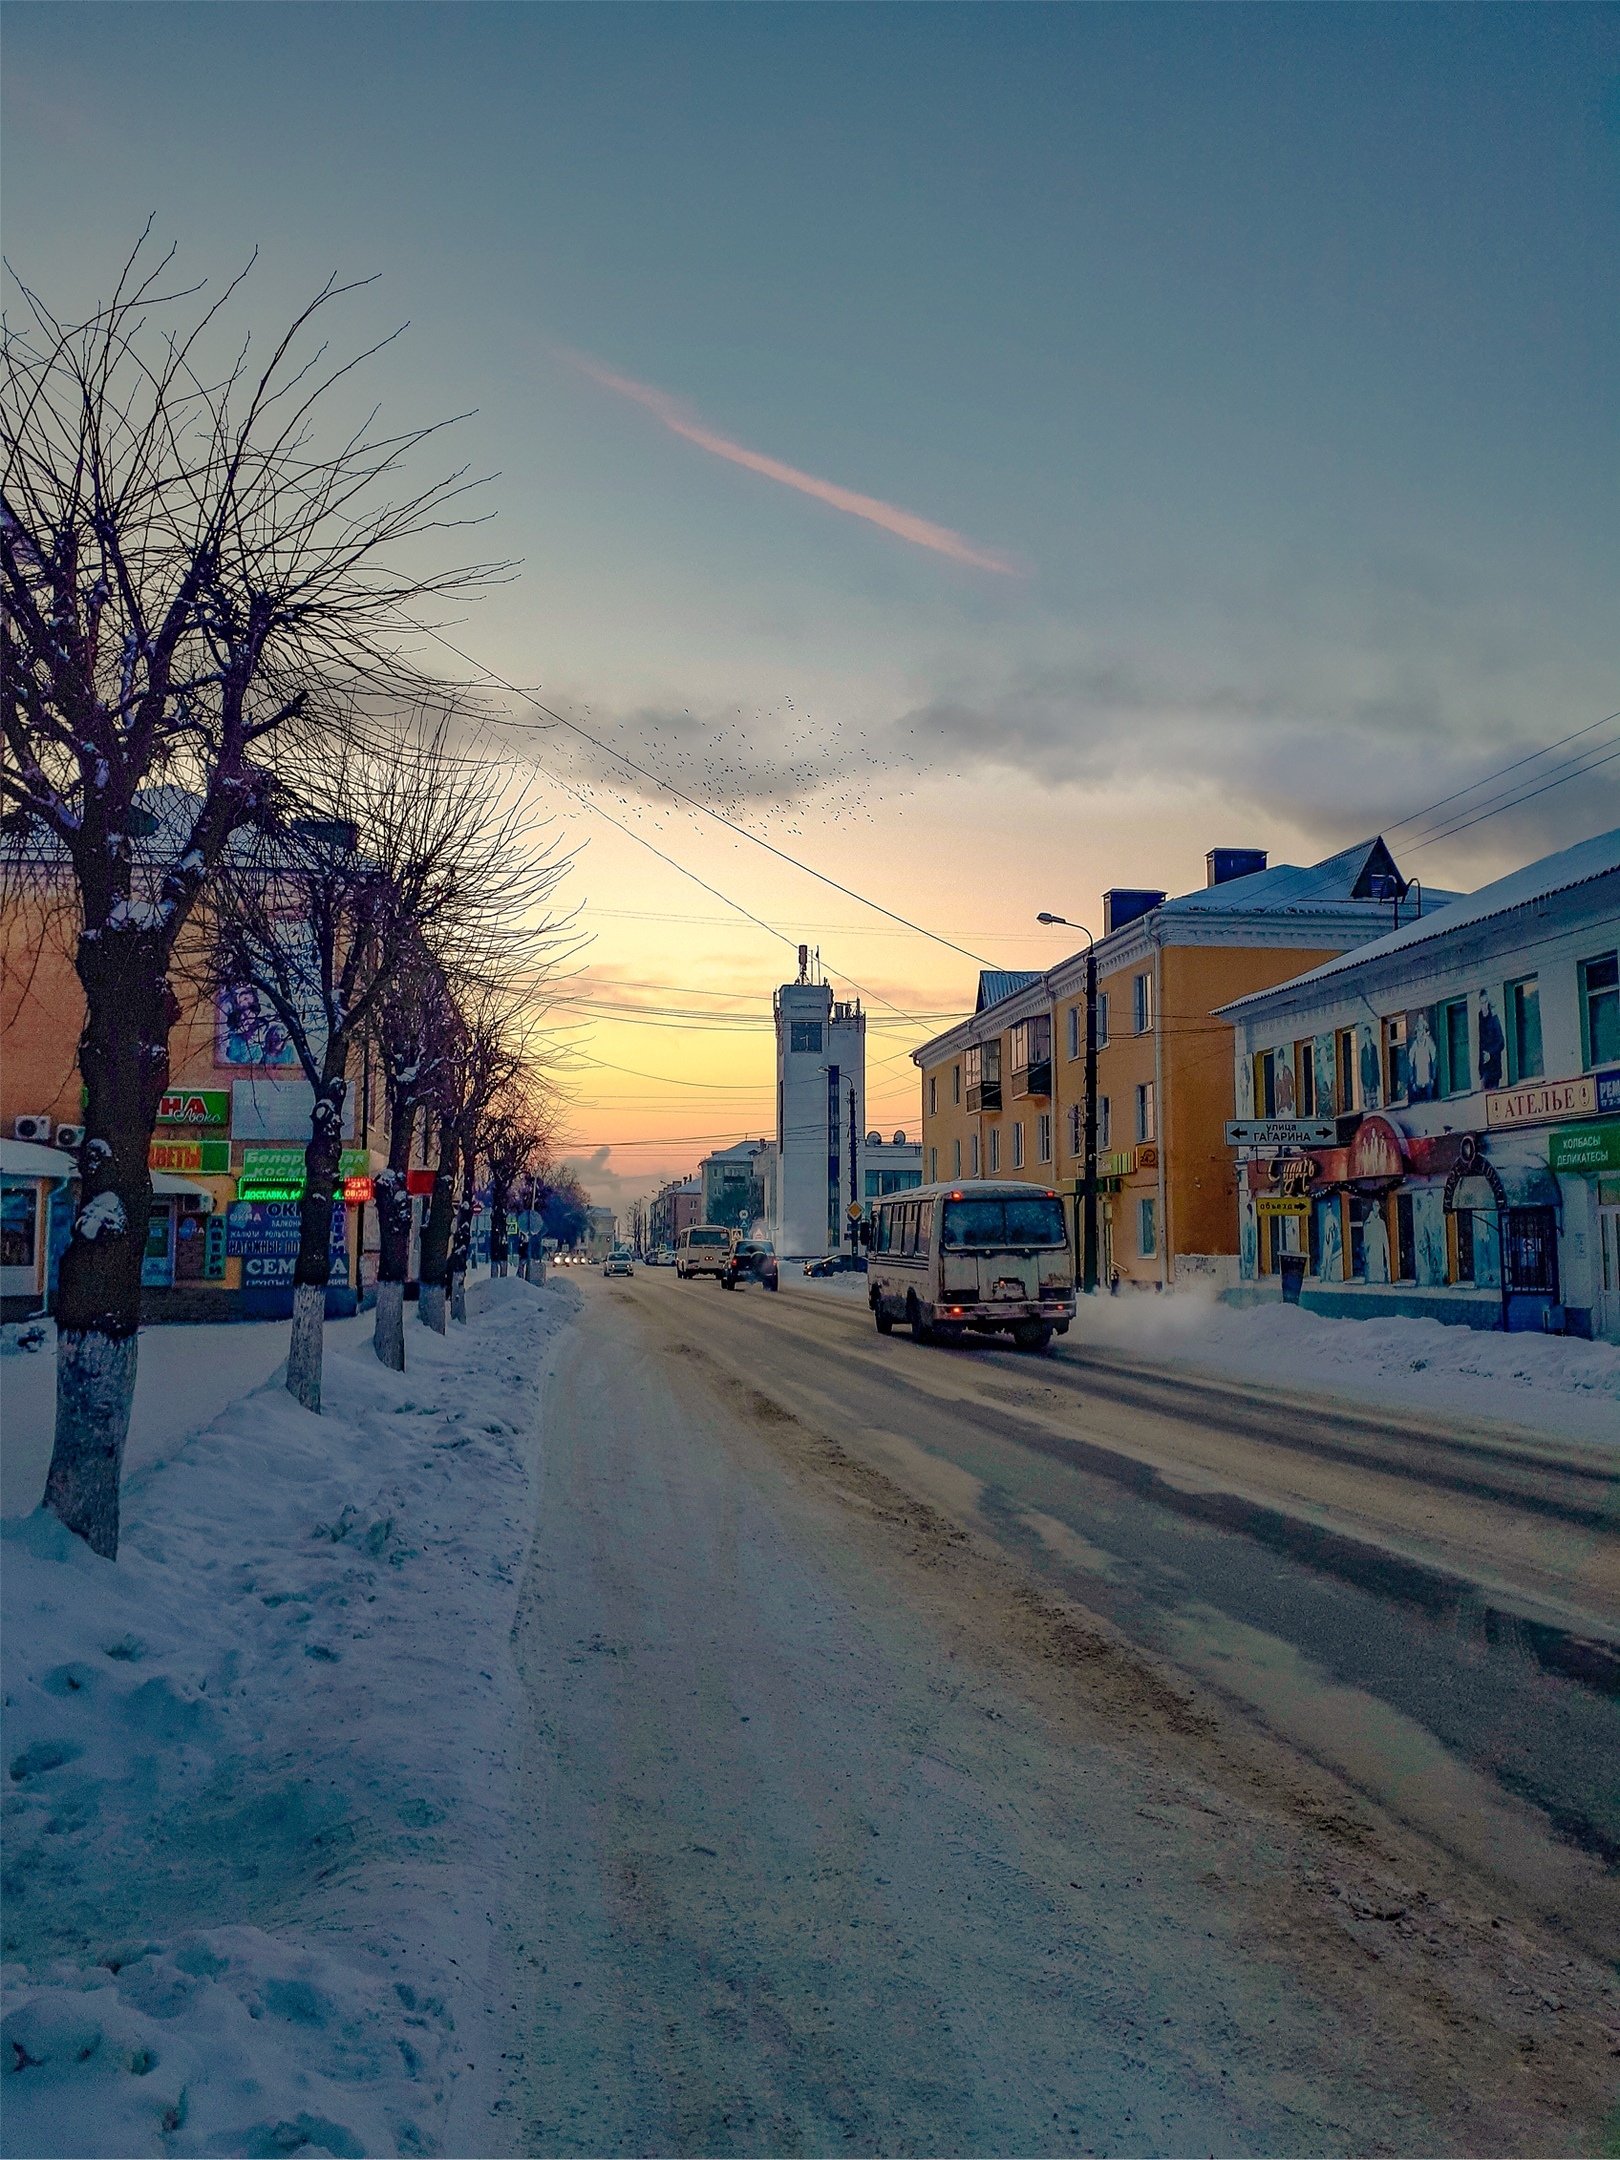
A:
(1282, 1132)
(1282, 1204)
(358, 1190)
(263, 1235)
(196, 1106)
(419, 1183)
(1539, 1101)
(1608, 1091)
(1585, 1148)
(285, 1165)
(207, 1158)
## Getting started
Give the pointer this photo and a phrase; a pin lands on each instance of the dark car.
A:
(751, 1261)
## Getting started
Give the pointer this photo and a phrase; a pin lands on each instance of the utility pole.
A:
(854, 1160)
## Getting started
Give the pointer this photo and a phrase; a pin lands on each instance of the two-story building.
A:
(1004, 1091)
(1471, 1061)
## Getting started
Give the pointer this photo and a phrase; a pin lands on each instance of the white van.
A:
(992, 1257)
(703, 1250)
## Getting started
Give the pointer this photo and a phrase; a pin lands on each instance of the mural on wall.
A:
(1245, 1085)
(247, 1031)
(1246, 1240)
(1422, 1057)
(1330, 1240)
(1492, 1043)
(1323, 1047)
(1429, 1236)
(1283, 1084)
(1372, 1092)
(1375, 1246)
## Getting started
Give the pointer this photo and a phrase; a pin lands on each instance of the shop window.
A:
(1524, 1029)
(1395, 1074)
(1145, 1127)
(1456, 1067)
(1043, 1139)
(1531, 1241)
(1142, 1003)
(1147, 1228)
(18, 1233)
(933, 1095)
(1018, 1144)
(1600, 1010)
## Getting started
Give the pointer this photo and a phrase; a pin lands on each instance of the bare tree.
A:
(514, 1146)
(187, 555)
(397, 848)
(490, 1051)
(413, 1034)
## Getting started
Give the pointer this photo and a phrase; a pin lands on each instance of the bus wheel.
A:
(885, 1320)
(1032, 1334)
(920, 1330)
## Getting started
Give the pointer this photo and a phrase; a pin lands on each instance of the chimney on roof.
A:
(1222, 864)
(1123, 903)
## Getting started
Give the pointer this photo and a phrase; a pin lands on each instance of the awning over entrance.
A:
(166, 1186)
(27, 1159)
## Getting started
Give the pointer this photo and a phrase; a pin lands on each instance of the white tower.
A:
(820, 1058)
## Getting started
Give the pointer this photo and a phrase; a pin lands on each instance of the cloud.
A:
(904, 524)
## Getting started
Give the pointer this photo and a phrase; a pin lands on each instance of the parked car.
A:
(618, 1262)
(752, 1260)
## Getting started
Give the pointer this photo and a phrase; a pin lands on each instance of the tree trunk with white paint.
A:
(436, 1234)
(313, 1269)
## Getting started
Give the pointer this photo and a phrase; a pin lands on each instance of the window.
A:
(1405, 1239)
(1456, 1068)
(1043, 1139)
(1145, 1128)
(1077, 1128)
(1102, 1019)
(1600, 1010)
(1395, 1074)
(1345, 1069)
(1524, 1029)
(805, 1035)
(1265, 1086)
(995, 1149)
(1076, 1045)
(1105, 1124)
(1032, 1042)
(933, 1162)
(933, 1095)
(1305, 1086)
(1018, 1145)
(1142, 1002)
(1147, 1228)
(17, 1226)
(956, 1084)
(996, 1224)
(956, 1158)
(974, 1144)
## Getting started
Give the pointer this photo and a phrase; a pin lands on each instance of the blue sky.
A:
(1272, 348)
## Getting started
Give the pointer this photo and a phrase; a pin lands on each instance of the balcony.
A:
(986, 1096)
(1035, 1079)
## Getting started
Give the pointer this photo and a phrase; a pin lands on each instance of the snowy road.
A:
(853, 1813)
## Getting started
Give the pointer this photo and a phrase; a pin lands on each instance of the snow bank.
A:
(255, 1771)
(1551, 1382)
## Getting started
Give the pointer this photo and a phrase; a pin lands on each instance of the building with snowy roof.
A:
(1004, 1091)
(1471, 1060)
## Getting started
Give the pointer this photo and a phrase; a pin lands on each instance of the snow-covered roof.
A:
(1578, 865)
(26, 1158)
(1354, 874)
(998, 983)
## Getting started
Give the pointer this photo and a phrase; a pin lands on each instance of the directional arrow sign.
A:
(1282, 1132)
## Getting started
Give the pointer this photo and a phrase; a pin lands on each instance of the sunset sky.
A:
(988, 453)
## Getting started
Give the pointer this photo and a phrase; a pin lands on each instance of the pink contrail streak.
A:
(919, 531)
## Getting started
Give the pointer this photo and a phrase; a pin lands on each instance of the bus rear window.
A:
(993, 1225)
(708, 1237)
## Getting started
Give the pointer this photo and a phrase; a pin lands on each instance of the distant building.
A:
(820, 1065)
(1004, 1091)
(678, 1206)
(888, 1166)
(733, 1194)
(603, 1232)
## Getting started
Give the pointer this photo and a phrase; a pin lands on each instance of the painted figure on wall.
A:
(1323, 1047)
(1284, 1085)
(1372, 1093)
(1330, 1240)
(1422, 1058)
(247, 1033)
(1375, 1245)
(1491, 1043)
(1246, 1241)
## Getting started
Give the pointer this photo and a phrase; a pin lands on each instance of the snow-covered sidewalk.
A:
(257, 1768)
(1548, 1383)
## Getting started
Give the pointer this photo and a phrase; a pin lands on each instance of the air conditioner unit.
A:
(70, 1137)
(31, 1128)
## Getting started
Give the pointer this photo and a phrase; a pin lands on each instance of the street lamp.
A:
(1088, 1212)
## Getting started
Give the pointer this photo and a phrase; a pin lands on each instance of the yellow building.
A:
(1003, 1093)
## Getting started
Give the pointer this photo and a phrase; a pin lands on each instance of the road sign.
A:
(1282, 1204)
(854, 1211)
(1282, 1132)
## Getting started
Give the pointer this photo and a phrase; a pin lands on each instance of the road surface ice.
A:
(255, 1768)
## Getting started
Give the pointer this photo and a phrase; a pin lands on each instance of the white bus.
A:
(991, 1257)
(704, 1249)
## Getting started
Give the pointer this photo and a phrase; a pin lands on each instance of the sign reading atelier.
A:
(1282, 1132)
(1539, 1101)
